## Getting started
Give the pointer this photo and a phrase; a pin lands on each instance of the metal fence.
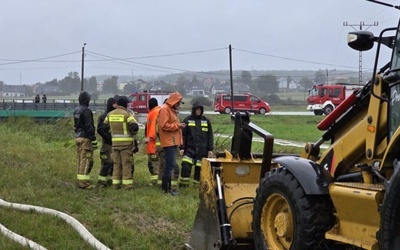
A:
(7, 104)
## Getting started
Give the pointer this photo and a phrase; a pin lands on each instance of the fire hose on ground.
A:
(83, 232)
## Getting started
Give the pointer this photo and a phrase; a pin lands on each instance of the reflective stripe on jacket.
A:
(119, 121)
(198, 137)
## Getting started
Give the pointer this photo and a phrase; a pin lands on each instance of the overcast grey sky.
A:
(42, 40)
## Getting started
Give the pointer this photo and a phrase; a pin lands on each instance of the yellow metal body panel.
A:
(374, 113)
(240, 180)
(241, 218)
(355, 143)
(357, 213)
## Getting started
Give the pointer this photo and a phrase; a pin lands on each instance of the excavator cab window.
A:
(394, 109)
(396, 51)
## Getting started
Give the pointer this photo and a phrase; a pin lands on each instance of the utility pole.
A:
(327, 75)
(231, 77)
(83, 66)
(327, 78)
(360, 53)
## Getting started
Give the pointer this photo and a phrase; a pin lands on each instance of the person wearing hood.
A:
(123, 127)
(170, 137)
(198, 142)
(106, 169)
(85, 140)
(176, 170)
(152, 140)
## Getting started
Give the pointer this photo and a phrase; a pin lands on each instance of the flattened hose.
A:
(84, 233)
(20, 239)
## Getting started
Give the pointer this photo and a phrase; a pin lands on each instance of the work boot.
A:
(184, 182)
(166, 184)
(128, 187)
(85, 185)
(174, 192)
(174, 183)
(196, 183)
(109, 182)
(153, 180)
(102, 184)
(183, 185)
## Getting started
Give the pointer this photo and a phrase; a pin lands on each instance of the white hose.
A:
(20, 239)
(85, 234)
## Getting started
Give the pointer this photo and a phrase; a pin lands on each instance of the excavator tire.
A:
(284, 217)
(389, 232)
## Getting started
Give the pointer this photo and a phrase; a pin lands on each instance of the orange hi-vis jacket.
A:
(168, 122)
(151, 130)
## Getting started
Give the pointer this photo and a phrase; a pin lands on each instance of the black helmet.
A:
(84, 98)
(197, 105)
(123, 101)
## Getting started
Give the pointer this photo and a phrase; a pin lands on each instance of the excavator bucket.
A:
(206, 229)
(227, 189)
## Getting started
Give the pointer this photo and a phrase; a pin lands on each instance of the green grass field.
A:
(37, 162)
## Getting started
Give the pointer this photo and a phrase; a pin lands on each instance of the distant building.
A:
(13, 91)
(225, 87)
(195, 89)
(121, 86)
(48, 90)
(283, 84)
(220, 87)
(240, 88)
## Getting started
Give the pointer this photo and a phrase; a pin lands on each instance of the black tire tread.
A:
(312, 214)
(389, 233)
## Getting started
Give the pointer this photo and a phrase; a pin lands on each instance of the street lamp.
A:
(83, 66)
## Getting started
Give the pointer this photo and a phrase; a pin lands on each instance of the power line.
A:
(292, 59)
(129, 61)
(114, 59)
(35, 60)
(177, 54)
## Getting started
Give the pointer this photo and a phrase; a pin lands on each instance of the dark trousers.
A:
(170, 161)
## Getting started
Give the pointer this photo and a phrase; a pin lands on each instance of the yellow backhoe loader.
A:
(346, 197)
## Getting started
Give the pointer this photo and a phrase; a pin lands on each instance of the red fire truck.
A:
(323, 99)
(139, 101)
